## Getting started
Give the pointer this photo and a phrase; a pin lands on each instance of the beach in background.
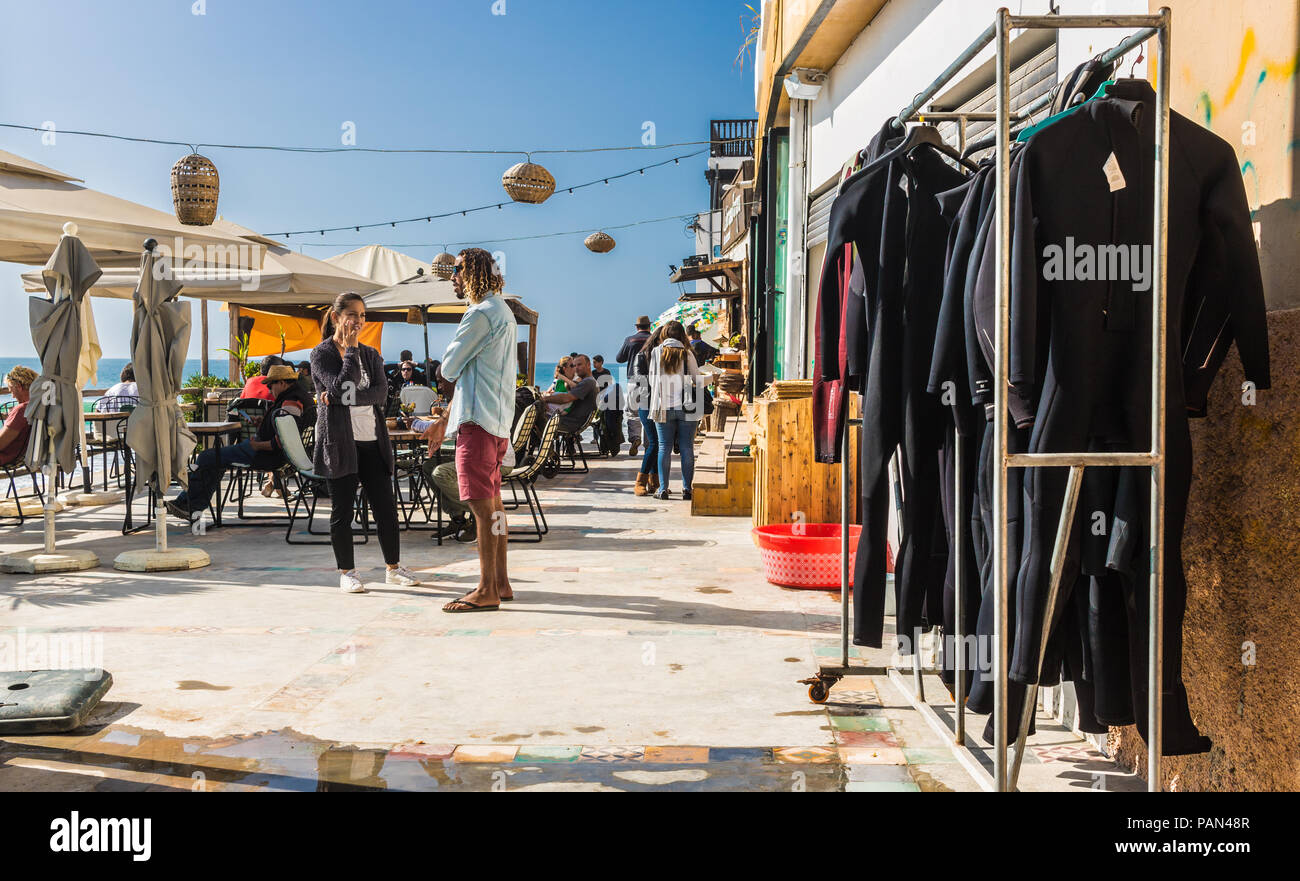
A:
(111, 368)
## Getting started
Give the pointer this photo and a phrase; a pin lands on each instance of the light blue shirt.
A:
(481, 361)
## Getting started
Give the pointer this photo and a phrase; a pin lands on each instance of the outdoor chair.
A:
(109, 438)
(525, 478)
(245, 479)
(520, 439)
(308, 488)
(14, 470)
(572, 458)
(421, 396)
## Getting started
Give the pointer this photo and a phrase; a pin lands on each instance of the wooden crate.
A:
(788, 481)
(734, 497)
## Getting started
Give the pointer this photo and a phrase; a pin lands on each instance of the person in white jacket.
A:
(676, 404)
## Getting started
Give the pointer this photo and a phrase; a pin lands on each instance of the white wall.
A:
(907, 46)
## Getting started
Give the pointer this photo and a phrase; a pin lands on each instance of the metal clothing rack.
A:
(1006, 773)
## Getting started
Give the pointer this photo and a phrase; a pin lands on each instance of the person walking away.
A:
(676, 404)
(262, 451)
(632, 346)
(647, 479)
(481, 363)
(352, 445)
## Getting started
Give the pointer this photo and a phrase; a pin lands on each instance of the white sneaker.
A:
(350, 583)
(401, 575)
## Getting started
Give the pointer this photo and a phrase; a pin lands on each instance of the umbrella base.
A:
(152, 560)
(92, 498)
(38, 562)
(32, 507)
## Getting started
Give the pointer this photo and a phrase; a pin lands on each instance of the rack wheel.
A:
(818, 692)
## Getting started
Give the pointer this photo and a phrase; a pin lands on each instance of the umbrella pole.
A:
(160, 521)
(425, 323)
(47, 500)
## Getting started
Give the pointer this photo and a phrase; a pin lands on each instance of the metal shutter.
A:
(819, 214)
(1029, 80)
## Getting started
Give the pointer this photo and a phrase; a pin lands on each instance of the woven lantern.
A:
(444, 265)
(195, 187)
(528, 182)
(601, 243)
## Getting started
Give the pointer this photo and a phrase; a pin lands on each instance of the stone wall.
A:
(1242, 556)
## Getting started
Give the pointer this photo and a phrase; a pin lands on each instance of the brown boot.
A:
(652, 483)
(640, 489)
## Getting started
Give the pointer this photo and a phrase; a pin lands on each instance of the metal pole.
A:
(895, 473)
(1068, 507)
(844, 540)
(1002, 331)
(959, 636)
(1159, 296)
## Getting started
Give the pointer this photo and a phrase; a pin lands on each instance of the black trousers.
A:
(374, 477)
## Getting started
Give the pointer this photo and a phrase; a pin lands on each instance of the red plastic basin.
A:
(804, 555)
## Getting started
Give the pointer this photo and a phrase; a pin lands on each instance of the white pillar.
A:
(796, 273)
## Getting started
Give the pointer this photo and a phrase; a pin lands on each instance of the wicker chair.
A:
(525, 480)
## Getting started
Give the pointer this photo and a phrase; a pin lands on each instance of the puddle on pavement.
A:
(285, 760)
(200, 685)
(926, 782)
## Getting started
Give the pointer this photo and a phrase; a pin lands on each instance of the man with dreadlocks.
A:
(481, 363)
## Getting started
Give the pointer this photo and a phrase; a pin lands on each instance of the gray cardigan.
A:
(336, 451)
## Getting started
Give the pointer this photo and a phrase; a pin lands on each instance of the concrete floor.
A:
(645, 650)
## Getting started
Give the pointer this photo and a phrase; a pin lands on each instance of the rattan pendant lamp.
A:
(195, 188)
(528, 182)
(600, 242)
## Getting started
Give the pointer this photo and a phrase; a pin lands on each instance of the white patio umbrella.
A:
(54, 409)
(35, 202)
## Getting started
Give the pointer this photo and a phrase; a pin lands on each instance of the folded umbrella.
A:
(55, 405)
(160, 338)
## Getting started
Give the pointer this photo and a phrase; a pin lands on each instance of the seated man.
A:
(13, 437)
(263, 452)
(580, 396)
(257, 387)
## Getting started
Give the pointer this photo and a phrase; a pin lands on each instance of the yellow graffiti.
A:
(1280, 70)
(1247, 50)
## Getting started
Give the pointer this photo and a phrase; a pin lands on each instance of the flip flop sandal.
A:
(507, 599)
(473, 607)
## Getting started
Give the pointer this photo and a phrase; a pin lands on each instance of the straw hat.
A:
(281, 373)
(643, 321)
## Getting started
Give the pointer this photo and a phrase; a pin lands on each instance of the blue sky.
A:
(547, 73)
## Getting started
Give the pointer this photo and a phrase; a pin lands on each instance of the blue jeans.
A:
(682, 431)
(208, 468)
(650, 460)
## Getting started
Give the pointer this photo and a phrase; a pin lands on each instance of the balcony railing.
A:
(732, 137)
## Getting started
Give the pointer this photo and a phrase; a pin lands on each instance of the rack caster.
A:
(819, 686)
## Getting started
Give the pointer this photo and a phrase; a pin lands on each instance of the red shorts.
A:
(478, 462)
